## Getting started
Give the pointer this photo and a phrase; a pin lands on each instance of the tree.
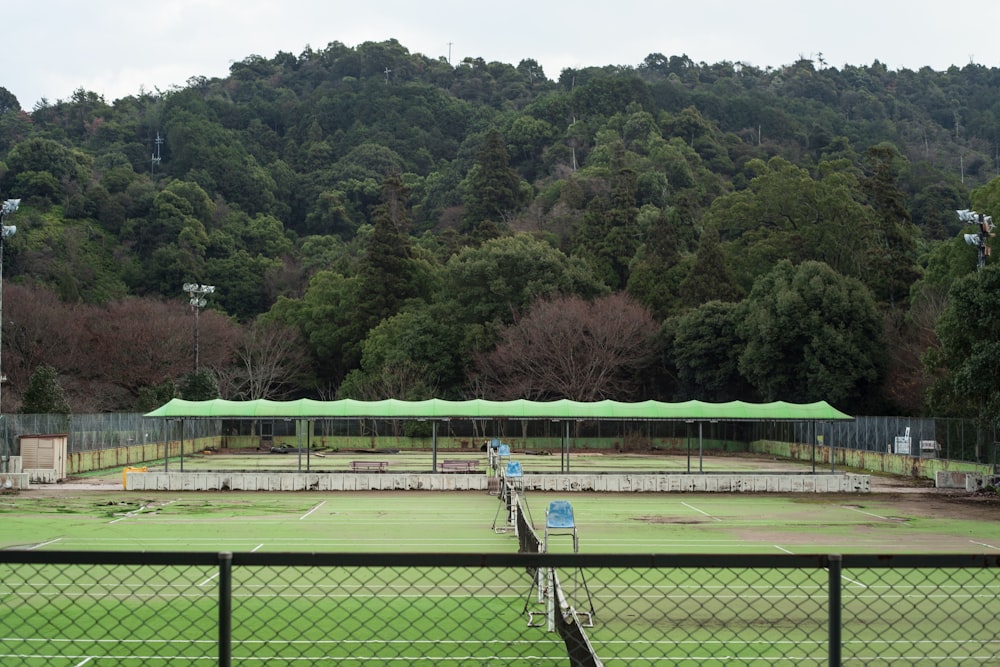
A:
(568, 347)
(388, 271)
(497, 281)
(892, 257)
(704, 347)
(199, 385)
(787, 214)
(812, 335)
(44, 394)
(492, 189)
(965, 366)
(709, 278)
(270, 362)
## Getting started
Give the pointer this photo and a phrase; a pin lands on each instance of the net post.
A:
(835, 567)
(225, 609)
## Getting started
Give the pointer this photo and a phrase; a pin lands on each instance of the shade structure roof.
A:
(441, 409)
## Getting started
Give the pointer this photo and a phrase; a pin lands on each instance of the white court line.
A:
(43, 544)
(139, 510)
(84, 662)
(847, 579)
(983, 544)
(312, 510)
(214, 576)
(877, 516)
(692, 507)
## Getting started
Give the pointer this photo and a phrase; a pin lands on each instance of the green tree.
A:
(44, 394)
(388, 271)
(497, 281)
(492, 189)
(785, 213)
(965, 365)
(704, 347)
(892, 257)
(709, 278)
(812, 335)
(200, 385)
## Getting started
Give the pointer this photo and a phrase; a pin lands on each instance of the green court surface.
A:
(305, 616)
(415, 521)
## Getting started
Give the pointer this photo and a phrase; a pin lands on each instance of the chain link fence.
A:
(118, 609)
(953, 439)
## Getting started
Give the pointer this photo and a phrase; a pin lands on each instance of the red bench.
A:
(369, 466)
(458, 465)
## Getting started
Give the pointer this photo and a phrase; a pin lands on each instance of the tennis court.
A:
(361, 611)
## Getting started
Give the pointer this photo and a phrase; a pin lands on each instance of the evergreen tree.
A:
(199, 385)
(892, 258)
(709, 279)
(492, 189)
(388, 272)
(44, 394)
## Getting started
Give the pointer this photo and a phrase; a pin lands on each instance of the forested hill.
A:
(378, 223)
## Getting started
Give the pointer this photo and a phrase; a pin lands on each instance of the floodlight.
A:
(965, 215)
(9, 230)
(972, 239)
(9, 206)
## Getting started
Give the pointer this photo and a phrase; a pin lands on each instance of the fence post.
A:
(834, 568)
(225, 608)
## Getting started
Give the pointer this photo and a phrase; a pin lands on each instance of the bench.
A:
(369, 466)
(458, 465)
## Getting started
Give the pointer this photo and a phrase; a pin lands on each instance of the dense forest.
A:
(376, 223)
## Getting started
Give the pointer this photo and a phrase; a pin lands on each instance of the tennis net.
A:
(562, 615)
(527, 538)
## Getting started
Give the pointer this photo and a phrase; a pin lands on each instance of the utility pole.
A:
(156, 155)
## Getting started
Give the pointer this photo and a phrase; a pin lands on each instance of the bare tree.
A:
(270, 360)
(568, 347)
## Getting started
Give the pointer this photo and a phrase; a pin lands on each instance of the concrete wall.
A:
(881, 462)
(721, 483)
(10, 481)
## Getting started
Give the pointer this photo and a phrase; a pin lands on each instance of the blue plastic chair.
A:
(514, 469)
(503, 450)
(559, 520)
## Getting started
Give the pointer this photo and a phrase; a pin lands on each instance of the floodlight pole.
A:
(6, 209)
(196, 293)
(981, 239)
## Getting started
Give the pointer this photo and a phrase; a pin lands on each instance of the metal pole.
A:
(7, 207)
(225, 608)
(434, 446)
(196, 311)
(700, 446)
(835, 567)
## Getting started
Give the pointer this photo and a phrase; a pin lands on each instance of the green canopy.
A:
(437, 408)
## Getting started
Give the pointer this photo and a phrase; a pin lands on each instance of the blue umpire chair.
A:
(559, 520)
(511, 484)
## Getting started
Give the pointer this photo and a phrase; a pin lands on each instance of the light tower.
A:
(984, 230)
(8, 207)
(196, 293)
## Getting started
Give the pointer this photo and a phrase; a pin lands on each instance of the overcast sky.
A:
(49, 48)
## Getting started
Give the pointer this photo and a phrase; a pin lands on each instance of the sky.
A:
(117, 48)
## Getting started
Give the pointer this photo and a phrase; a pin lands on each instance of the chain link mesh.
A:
(304, 610)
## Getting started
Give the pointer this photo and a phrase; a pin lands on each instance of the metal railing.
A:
(128, 609)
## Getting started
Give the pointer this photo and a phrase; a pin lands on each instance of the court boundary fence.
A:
(844, 600)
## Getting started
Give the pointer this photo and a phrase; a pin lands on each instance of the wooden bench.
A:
(458, 465)
(369, 466)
